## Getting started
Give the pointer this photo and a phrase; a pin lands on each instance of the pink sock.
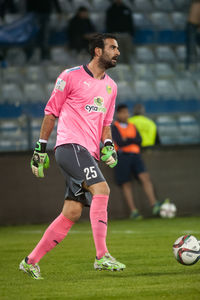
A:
(98, 219)
(54, 234)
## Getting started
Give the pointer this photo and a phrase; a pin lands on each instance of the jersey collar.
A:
(89, 72)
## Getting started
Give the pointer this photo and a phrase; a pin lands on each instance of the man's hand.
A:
(40, 160)
(109, 155)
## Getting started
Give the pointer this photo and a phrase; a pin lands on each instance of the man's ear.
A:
(98, 51)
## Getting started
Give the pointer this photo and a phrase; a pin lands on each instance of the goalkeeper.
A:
(83, 100)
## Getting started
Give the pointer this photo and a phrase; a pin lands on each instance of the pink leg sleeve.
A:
(98, 218)
(54, 234)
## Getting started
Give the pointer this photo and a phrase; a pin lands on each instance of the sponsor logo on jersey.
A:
(98, 101)
(109, 89)
(98, 105)
(85, 82)
(60, 84)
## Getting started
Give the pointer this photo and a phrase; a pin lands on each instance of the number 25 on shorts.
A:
(90, 173)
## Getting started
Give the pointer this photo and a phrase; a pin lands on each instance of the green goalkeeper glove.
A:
(109, 154)
(40, 160)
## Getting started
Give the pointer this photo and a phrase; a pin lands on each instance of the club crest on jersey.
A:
(108, 89)
(98, 107)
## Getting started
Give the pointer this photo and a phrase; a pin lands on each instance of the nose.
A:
(118, 52)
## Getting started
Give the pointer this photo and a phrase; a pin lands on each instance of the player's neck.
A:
(97, 71)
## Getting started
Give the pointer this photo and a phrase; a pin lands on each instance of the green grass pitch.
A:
(144, 246)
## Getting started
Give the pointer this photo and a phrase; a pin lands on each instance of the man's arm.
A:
(106, 134)
(40, 159)
(47, 127)
(157, 141)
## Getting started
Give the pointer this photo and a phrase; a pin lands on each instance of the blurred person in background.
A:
(146, 127)
(119, 21)
(42, 10)
(127, 142)
(192, 33)
(79, 30)
(6, 6)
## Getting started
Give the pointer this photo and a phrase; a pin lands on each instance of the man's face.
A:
(123, 115)
(118, 2)
(83, 14)
(110, 53)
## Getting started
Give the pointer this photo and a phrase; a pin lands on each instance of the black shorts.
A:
(78, 166)
(129, 164)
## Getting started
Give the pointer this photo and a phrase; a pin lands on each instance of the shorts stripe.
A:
(76, 155)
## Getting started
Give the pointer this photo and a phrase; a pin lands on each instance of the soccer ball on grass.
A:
(168, 210)
(187, 250)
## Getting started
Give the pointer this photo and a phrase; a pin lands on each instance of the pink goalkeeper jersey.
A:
(83, 105)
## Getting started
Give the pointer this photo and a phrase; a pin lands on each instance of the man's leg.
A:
(56, 231)
(53, 235)
(127, 191)
(44, 32)
(148, 187)
(149, 190)
(191, 36)
(98, 218)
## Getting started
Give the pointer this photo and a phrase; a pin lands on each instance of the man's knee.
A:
(72, 210)
(100, 188)
(144, 177)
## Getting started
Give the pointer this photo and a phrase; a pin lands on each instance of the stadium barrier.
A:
(25, 199)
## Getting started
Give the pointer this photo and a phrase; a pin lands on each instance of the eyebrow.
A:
(114, 46)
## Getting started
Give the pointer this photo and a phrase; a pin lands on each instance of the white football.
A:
(186, 250)
(168, 210)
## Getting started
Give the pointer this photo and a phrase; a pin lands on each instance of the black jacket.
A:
(77, 28)
(42, 6)
(119, 19)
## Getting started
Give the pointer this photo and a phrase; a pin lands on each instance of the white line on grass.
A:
(111, 231)
(82, 232)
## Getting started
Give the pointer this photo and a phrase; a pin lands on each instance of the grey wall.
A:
(26, 199)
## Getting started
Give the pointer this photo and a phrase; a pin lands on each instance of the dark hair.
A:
(82, 8)
(120, 107)
(195, 1)
(139, 109)
(97, 41)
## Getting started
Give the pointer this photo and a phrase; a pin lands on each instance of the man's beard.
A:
(107, 64)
